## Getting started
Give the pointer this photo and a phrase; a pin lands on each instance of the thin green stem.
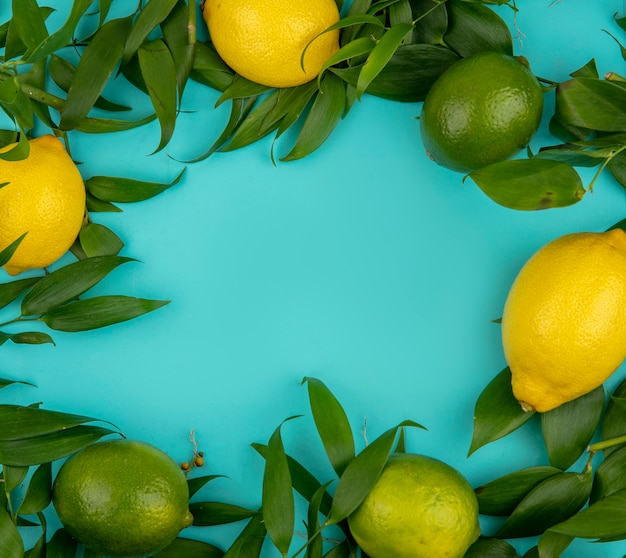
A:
(603, 166)
(604, 444)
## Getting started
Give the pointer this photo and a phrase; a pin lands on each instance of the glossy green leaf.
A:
(241, 88)
(568, 429)
(11, 544)
(159, 74)
(13, 289)
(62, 72)
(4, 382)
(356, 48)
(530, 184)
(13, 477)
(614, 422)
(610, 475)
(278, 501)
(94, 205)
(16, 103)
(209, 69)
(617, 168)
(592, 103)
(68, 282)
(39, 493)
(572, 155)
(98, 240)
(109, 125)
(380, 55)
(325, 113)
(126, 190)
(589, 70)
(314, 536)
(18, 152)
(61, 545)
(250, 541)
(362, 473)
(7, 253)
(474, 28)
(60, 38)
(207, 514)
(29, 22)
(189, 548)
(332, 425)
(603, 520)
(101, 311)
(409, 74)
(49, 447)
(302, 480)
(31, 338)
(550, 502)
(27, 422)
(497, 412)
(552, 545)
(501, 496)
(96, 65)
(180, 41)
(431, 24)
(37, 77)
(491, 548)
(196, 483)
(152, 14)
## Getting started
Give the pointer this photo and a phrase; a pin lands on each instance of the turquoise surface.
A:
(364, 265)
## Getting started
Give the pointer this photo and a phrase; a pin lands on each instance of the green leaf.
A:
(28, 422)
(94, 205)
(126, 190)
(550, 502)
(362, 473)
(207, 514)
(7, 253)
(592, 103)
(196, 483)
(49, 447)
(332, 425)
(250, 541)
(604, 520)
(29, 22)
(108, 125)
(98, 240)
(278, 502)
(302, 480)
(159, 74)
(474, 28)
(68, 282)
(530, 184)
(180, 42)
(501, 496)
(552, 545)
(314, 535)
(491, 548)
(380, 55)
(431, 24)
(11, 545)
(18, 152)
(189, 548)
(99, 312)
(325, 113)
(16, 103)
(39, 493)
(497, 413)
(13, 477)
(62, 72)
(31, 338)
(610, 475)
(39, 549)
(96, 65)
(4, 382)
(342, 550)
(152, 14)
(617, 168)
(61, 545)
(13, 289)
(409, 74)
(568, 429)
(614, 422)
(242, 88)
(209, 69)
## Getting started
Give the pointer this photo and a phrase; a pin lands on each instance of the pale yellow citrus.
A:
(44, 196)
(263, 40)
(564, 320)
(122, 498)
(419, 507)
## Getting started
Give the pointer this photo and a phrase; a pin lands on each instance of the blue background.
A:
(364, 265)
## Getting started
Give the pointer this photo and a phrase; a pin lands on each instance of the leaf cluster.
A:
(553, 500)
(394, 49)
(590, 121)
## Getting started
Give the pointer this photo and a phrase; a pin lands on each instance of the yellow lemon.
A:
(419, 507)
(43, 196)
(122, 498)
(564, 320)
(482, 110)
(264, 41)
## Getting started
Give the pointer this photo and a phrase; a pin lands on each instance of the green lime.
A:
(419, 507)
(122, 498)
(482, 110)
